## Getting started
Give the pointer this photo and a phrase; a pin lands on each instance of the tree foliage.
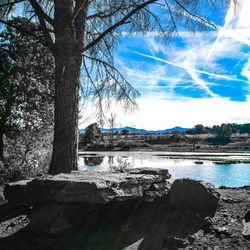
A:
(32, 78)
(223, 131)
(6, 97)
(92, 132)
(32, 90)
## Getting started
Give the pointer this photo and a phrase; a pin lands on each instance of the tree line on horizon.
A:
(223, 130)
(223, 133)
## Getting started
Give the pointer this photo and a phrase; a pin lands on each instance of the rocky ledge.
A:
(138, 209)
(90, 187)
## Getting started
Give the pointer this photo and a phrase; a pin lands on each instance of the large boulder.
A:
(193, 195)
(246, 225)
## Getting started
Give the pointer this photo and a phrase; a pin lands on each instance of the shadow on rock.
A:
(123, 225)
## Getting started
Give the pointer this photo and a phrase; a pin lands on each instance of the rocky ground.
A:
(130, 223)
(227, 223)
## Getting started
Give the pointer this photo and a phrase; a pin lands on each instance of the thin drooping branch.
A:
(98, 93)
(117, 24)
(171, 16)
(102, 15)
(109, 67)
(196, 17)
(156, 18)
(106, 52)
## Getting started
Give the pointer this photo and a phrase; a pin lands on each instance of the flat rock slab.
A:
(89, 186)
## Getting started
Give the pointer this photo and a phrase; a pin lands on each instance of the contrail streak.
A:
(228, 19)
(189, 68)
(201, 83)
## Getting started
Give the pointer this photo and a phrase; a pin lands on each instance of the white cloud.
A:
(228, 18)
(159, 112)
(244, 20)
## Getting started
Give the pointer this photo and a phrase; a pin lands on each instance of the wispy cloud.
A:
(228, 18)
(182, 66)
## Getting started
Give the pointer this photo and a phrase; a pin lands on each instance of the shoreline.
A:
(198, 157)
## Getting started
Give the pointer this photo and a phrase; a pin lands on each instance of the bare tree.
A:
(83, 33)
(111, 123)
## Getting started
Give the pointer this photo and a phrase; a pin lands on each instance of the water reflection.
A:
(232, 175)
(93, 160)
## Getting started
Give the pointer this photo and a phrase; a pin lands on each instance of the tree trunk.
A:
(68, 59)
(1, 146)
(67, 83)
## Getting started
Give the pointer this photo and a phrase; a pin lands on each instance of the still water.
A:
(198, 166)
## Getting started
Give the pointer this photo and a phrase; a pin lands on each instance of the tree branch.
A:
(78, 9)
(42, 16)
(106, 66)
(118, 24)
(171, 15)
(98, 93)
(11, 3)
(101, 14)
(196, 17)
(39, 11)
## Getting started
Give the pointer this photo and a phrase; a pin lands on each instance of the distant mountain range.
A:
(139, 131)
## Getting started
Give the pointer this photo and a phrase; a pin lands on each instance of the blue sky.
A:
(192, 79)
(200, 78)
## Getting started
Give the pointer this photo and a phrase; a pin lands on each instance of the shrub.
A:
(124, 146)
(218, 140)
(121, 166)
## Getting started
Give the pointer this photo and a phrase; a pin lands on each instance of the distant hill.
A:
(169, 130)
(139, 131)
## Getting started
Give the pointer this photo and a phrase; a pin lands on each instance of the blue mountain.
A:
(139, 131)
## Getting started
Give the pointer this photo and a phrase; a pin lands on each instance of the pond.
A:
(200, 166)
